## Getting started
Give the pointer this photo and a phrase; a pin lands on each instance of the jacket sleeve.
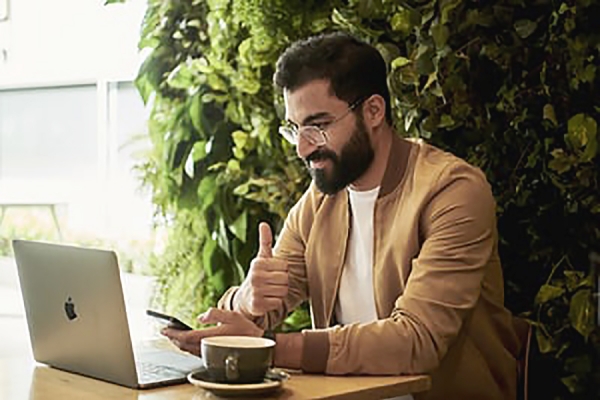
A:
(290, 247)
(458, 230)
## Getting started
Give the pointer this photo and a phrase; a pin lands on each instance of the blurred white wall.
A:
(68, 40)
(49, 44)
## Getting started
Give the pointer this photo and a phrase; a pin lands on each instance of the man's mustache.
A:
(321, 155)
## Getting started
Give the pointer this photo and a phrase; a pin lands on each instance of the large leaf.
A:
(240, 226)
(525, 27)
(582, 312)
(548, 293)
(582, 132)
(544, 341)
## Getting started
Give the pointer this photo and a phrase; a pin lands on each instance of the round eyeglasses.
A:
(314, 134)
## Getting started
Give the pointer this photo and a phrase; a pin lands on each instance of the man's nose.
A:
(304, 148)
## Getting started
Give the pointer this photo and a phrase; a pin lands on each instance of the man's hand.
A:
(266, 285)
(228, 323)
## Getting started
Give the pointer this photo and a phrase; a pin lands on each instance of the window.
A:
(128, 118)
(49, 133)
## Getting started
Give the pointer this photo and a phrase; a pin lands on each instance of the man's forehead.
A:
(313, 97)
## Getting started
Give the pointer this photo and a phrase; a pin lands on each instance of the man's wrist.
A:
(288, 350)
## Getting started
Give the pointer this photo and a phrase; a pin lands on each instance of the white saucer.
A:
(273, 381)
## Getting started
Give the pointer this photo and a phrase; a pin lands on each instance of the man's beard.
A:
(355, 158)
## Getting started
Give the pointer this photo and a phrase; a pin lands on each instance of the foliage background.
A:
(512, 86)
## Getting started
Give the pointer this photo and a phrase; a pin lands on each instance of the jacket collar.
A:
(396, 165)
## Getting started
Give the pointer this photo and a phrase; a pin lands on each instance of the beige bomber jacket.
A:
(437, 279)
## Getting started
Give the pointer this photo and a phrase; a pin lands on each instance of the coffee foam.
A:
(238, 341)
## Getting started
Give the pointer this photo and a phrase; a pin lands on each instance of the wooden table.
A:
(21, 378)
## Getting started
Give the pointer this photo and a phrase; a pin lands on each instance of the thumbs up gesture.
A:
(266, 284)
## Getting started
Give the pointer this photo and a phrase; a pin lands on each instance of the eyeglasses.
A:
(315, 135)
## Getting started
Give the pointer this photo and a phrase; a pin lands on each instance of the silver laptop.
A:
(77, 321)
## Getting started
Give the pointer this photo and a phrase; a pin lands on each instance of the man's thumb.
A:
(265, 241)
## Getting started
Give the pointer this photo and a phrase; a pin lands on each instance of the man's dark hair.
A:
(355, 69)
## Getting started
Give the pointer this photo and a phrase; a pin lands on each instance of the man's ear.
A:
(374, 111)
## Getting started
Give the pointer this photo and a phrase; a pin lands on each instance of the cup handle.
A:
(231, 368)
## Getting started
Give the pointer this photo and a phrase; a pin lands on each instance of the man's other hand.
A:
(228, 323)
(266, 284)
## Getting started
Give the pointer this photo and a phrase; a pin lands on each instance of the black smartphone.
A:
(169, 320)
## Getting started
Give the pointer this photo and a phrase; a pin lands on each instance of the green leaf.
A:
(195, 111)
(142, 82)
(199, 150)
(369, 8)
(446, 121)
(549, 114)
(588, 74)
(440, 34)
(561, 163)
(216, 82)
(548, 293)
(388, 51)
(242, 189)
(233, 165)
(181, 77)
(482, 18)
(207, 190)
(424, 61)
(239, 226)
(207, 253)
(240, 138)
(431, 79)
(580, 129)
(525, 27)
(246, 84)
(545, 343)
(223, 238)
(239, 153)
(582, 132)
(578, 279)
(581, 312)
(401, 22)
(447, 8)
(400, 62)
(579, 365)
(572, 383)
(298, 320)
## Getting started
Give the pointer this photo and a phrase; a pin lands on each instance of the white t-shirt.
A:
(356, 298)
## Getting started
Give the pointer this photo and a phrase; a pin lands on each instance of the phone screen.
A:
(169, 320)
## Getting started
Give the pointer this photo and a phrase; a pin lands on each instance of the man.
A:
(394, 244)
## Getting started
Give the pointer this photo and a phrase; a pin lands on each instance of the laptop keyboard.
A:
(159, 365)
(149, 372)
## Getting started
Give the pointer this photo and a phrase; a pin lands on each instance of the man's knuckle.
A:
(255, 279)
(256, 304)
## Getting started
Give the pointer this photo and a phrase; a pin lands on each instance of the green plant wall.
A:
(511, 86)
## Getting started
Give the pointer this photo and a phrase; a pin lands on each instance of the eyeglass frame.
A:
(292, 133)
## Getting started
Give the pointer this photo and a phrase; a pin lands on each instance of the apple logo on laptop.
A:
(70, 309)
